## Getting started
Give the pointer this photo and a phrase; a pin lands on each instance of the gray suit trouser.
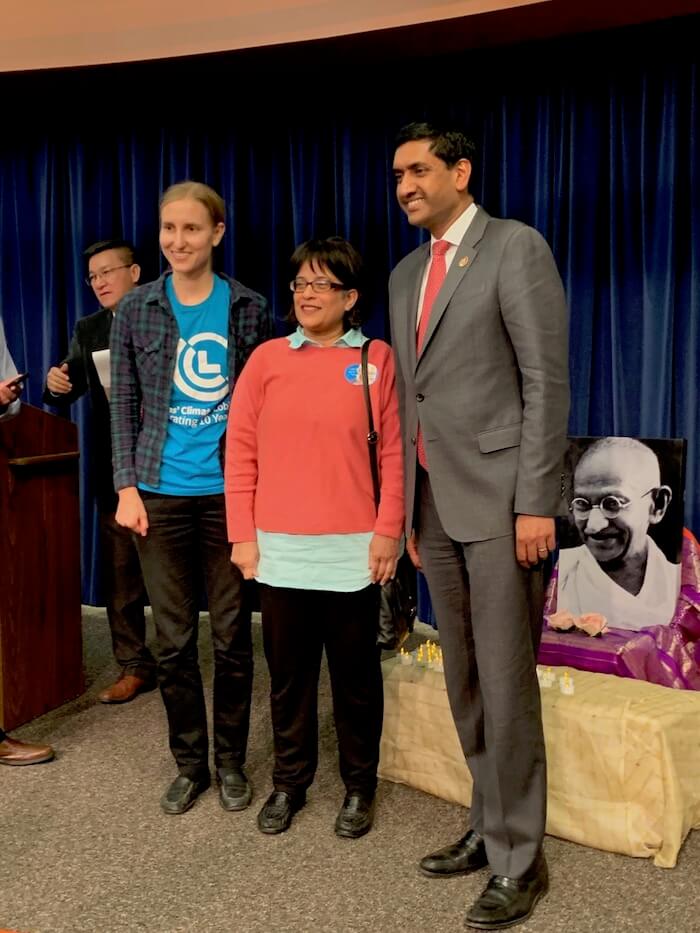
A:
(489, 614)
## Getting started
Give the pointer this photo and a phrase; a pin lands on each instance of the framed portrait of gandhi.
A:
(621, 542)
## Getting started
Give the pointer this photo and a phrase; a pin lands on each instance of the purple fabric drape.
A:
(668, 655)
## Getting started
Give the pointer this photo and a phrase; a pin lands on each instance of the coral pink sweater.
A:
(296, 443)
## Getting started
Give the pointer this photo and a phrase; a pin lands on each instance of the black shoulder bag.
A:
(398, 602)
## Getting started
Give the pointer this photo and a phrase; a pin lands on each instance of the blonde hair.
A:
(198, 191)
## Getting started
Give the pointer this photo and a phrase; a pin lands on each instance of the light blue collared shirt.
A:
(351, 338)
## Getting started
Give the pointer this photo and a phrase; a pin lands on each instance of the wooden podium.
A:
(41, 663)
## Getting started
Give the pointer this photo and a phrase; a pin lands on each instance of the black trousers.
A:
(125, 595)
(3, 736)
(187, 545)
(297, 625)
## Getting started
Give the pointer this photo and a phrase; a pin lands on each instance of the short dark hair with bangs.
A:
(447, 144)
(339, 257)
(124, 246)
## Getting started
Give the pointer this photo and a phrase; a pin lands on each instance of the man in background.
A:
(112, 271)
(618, 571)
(13, 752)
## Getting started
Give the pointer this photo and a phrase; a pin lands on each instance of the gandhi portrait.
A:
(617, 569)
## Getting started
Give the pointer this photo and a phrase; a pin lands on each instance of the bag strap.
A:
(372, 436)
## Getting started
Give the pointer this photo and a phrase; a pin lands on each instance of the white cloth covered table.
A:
(623, 756)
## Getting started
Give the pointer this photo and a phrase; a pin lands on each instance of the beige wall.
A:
(50, 34)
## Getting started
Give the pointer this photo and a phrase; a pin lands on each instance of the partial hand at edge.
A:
(246, 556)
(131, 512)
(383, 555)
(58, 381)
(9, 393)
(412, 551)
(534, 539)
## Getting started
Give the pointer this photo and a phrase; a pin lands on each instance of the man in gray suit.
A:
(479, 327)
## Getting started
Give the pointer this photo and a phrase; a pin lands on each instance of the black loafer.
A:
(462, 858)
(355, 816)
(182, 794)
(278, 810)
(507, 901)
(235, 792)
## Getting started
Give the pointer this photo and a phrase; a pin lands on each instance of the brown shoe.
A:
(125, 688)
(13, 752)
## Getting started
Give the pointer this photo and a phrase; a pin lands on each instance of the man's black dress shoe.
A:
(182, 793)
(465, 856)
(278, 810)
(355, 816)
(235, 792)
(507, 901)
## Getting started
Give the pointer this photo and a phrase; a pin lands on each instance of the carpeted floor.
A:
(86, 849)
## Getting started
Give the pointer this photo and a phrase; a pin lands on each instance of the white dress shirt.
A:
(454, 236)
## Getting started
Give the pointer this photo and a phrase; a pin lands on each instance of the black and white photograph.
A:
(621, 545)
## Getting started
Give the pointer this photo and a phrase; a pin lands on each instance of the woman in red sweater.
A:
(302, 519)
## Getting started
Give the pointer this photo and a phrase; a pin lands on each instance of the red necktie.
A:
(436, 276)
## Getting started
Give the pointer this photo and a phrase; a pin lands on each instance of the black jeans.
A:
(297, 624)
(187, 543)
(125, 595)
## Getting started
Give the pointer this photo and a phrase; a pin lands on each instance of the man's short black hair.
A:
(124, 246)
(448, 145)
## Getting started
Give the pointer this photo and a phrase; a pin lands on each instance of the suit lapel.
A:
(103, 331)
(95, 336)
(413, 279)
(460, 267)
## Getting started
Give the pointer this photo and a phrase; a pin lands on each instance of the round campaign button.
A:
(353, 374)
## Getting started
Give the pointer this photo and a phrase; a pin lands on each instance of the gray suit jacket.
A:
(491, 385)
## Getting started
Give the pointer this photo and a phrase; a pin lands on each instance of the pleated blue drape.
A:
(594, 141)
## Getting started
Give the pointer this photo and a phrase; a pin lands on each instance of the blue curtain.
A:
(593, 140)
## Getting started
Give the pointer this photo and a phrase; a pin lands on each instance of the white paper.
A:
(101, 360)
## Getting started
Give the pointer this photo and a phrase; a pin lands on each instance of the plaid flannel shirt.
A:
(143, 350)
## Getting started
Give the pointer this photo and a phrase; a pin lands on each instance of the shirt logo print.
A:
(200, 369)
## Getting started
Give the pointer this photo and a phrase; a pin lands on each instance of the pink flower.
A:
(592, 623)
(563, 621)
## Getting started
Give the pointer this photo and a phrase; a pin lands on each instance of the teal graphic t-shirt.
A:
(199, 400)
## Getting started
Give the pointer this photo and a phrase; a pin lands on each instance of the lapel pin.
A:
(464, 261)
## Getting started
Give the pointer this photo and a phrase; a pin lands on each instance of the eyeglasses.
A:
(105, 273)
(318, 285)
(610, 506)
